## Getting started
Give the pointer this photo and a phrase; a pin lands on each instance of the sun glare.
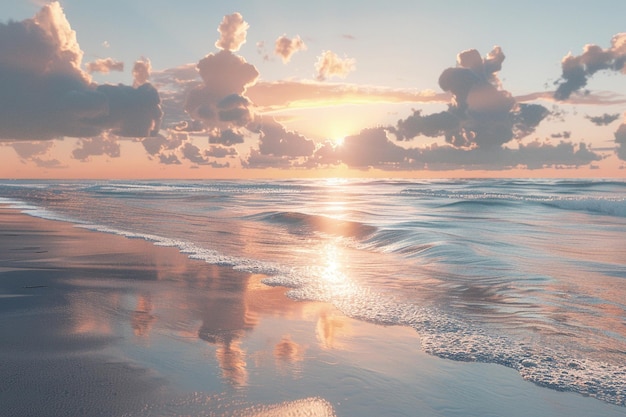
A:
(338, 141)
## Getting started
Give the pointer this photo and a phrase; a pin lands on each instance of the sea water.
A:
(529, 274)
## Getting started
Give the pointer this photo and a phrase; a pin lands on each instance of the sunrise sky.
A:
(263, 89)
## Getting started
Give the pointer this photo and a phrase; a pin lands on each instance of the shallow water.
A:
(526, 274)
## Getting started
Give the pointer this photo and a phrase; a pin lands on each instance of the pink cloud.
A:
(104, 66)
(233, 31)
(285, 47)
(141, 71)
(329, 64)
(293, 93)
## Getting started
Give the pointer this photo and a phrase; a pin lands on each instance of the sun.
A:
(339, 140)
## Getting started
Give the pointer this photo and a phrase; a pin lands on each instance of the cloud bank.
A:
(45, 94)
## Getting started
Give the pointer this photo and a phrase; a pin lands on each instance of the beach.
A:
(99, 324)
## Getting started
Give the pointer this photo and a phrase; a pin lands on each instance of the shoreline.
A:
(99, 324)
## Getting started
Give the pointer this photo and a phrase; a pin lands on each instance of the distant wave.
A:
(606, 206)
(302, 223)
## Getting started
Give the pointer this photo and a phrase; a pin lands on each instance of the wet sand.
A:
(99, 325)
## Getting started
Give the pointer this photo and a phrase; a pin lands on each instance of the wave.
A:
(603, 204)
(302, 223)
(607, 206)
(447, 336)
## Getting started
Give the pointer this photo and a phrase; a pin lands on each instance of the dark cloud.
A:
(48, 163)
(35, 152)
(192, 153)
(156, 145)
(44, 94)
(220, 152)
(535, 155)
(371, 148)
(576, 70)
(96, 146)
(27, 150)
(620, 141)
(169, 159)
(561, 135)
(104, 66)
(198, 157)
(480, 114)
(227, 137)
(277, 141)
(605, 119)
(285, 47)
(257, 160)
(133, 112)
(220, 102)
(433, 125)
(278, 147)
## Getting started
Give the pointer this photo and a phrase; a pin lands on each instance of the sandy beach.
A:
(100, 325)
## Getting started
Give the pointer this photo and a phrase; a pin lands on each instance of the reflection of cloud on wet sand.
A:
(288, 351)
(232, 361)
(89, 320)
(329, 327)
(142, 319)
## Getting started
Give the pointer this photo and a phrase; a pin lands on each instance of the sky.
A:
(281, 89)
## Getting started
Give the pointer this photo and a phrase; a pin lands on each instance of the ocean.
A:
(528, 274)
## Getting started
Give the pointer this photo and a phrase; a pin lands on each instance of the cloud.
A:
(298, 94)
(35, 151)
(480, 114)
(601, 98)
(27, 150)
(44, 94)
(192, 153)
(104, 66)
(605, 119)
(156, 145)
(278, 147)
(219, 101)
(141, 71)
(535, 155)
(330, 65)
(576, 70)
(104, 144)
(233, 31)
(257, 160)
(620, 141)
(220, 152)
(169, 159)
(285, 47)
(371, 148)
(565, 135)
(227, 137)
(277, 141)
